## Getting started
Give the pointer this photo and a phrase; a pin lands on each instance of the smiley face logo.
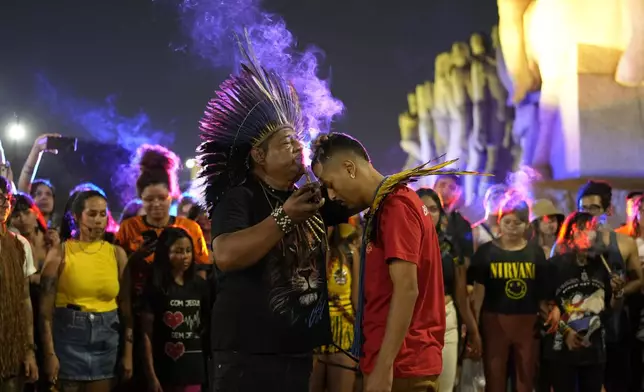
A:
(516, 288)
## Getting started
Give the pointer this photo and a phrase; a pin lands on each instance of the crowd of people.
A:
(272, 287)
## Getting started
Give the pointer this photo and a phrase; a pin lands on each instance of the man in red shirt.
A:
(403, 312)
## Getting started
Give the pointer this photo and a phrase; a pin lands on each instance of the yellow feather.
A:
(404, 177)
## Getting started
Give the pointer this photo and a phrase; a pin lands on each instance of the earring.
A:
(353, 175)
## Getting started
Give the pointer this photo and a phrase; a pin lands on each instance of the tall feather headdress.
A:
(246, 111)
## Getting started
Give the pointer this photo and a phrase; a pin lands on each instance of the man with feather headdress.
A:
(269, 236)
(400, 327)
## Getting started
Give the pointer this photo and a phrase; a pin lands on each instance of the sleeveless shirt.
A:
(90, 277)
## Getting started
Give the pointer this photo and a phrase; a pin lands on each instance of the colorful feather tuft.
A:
(408, 176)
(246, 110)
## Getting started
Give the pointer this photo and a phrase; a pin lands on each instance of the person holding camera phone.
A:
(42, 190)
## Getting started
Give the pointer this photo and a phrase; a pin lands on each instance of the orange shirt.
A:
(130, 238)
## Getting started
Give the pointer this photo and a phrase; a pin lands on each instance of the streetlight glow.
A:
(190, 163)
(17, 131)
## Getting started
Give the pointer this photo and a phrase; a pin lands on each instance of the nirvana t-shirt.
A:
(583, 294)
(514, 280)
(280, 304)
(180, 319)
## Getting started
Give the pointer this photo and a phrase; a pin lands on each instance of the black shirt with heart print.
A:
(180, 319)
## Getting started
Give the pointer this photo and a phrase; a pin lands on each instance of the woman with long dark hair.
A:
(455, 282)
(68, 227)
(30, 222)
(175, 317)
(80, 286)
(585, 290)
(334, 369)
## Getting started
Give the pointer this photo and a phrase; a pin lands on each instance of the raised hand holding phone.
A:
(42, 141)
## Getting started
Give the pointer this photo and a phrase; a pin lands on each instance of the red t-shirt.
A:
(405, 232)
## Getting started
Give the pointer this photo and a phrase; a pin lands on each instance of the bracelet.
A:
(283, 221)
(619, 294)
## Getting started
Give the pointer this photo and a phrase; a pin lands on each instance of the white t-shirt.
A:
(29, 268)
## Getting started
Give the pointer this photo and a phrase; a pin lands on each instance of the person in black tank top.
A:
(451, 236)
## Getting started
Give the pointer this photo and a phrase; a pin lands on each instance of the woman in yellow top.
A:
(80, 284)
(334, 370)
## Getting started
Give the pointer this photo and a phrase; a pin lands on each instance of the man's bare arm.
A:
(401, 309)
(633, 266)
(244, 248)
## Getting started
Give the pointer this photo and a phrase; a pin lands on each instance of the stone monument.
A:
(590, 125)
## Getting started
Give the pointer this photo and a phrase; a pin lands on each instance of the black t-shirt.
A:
(514, 280)
(451, 260)
(280, 304)
(459, 230)
(180, 319)
(583, 294)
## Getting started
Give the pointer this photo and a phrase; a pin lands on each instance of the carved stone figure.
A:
(522, 132)
(443, 109)
(630, 69)
(409, 136)
(511, 32)
(582, 47)
(489, 114)
(425, 99)
(461, 83)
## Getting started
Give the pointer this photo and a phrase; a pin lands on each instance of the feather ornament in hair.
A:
(246, 110)
(406, 177)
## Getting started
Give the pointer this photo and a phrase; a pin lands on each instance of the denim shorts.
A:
(86, 344)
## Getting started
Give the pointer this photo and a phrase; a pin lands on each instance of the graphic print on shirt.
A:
(176, 320)
(297, 286)
(515, 275)
(175, 350)
(581, 310)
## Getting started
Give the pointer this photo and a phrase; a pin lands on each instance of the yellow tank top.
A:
(89, 277)
(339, 286)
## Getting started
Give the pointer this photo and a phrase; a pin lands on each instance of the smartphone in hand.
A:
(62, 144)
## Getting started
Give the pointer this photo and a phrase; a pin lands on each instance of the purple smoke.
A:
(211, 25)
(102, 122)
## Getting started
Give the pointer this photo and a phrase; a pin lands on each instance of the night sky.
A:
(375, 51)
